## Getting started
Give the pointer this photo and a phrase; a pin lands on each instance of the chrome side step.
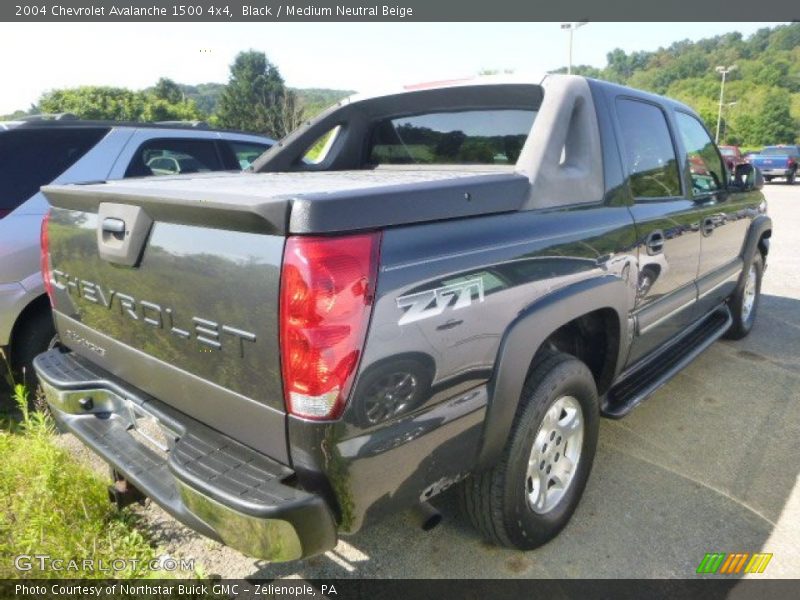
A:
(655, 370)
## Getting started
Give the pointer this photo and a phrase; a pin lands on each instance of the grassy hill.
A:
(765, 84)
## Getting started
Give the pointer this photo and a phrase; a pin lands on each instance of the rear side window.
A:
(247, 152)
(174, 157)
(705, 166)
(472, 137)
(31, 158)
(649, 154)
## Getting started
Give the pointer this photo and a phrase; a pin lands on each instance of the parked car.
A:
(452, 293)
(35, 152)
(732, 156)
(778, 161)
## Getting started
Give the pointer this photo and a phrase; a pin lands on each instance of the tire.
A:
(768, 179)
(504, 503)
(744, 301)
(33, 336)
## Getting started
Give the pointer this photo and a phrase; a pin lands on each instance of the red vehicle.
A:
(732, 156)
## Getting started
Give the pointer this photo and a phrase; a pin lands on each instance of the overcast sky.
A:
(35, 57)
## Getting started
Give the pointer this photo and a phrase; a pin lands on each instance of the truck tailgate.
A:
(192, 322)
(771, 162)
(172, 284)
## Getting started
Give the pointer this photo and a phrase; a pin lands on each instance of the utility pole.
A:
(571, 27)
(724, 72)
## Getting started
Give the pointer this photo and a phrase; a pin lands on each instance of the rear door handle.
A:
(655, 242)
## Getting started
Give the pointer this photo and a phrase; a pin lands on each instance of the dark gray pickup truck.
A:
(444, 286)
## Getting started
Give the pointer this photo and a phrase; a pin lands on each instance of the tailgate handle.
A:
(112, 225)
(122, 231)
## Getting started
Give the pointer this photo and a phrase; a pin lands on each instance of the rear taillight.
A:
(327, 292)
(45, 257)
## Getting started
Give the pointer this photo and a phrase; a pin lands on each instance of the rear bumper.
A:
(782, 172)
(208, 481)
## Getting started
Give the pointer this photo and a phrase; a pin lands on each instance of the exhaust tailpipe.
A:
(426, 516)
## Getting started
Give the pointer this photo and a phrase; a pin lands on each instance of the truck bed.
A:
(309, 202)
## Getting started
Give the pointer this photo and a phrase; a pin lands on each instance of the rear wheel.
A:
(530, 494)
(768, 179)
(744, 301)
(32, 337)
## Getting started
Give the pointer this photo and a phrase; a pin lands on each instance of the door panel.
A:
(666, 290)
(725, 214)
(667, 225)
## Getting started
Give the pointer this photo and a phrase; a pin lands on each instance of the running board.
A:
(644, 378)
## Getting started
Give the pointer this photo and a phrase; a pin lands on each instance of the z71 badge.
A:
(431, 303)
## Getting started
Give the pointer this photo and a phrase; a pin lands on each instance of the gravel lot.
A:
(709, 463)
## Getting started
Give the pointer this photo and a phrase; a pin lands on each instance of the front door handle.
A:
(655, 242)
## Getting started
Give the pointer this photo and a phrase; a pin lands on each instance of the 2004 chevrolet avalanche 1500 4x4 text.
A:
(448, 285)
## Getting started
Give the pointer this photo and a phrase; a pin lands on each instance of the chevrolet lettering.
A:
(209, 333)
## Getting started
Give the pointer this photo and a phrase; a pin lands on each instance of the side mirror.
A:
(746, 177)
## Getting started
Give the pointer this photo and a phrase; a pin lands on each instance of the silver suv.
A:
(41, 151)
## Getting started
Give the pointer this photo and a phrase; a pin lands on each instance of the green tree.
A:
(774, 123)
(168, 90)
(256, 98)
(94, 102)
(118, 104)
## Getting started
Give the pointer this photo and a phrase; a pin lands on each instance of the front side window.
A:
(705, 166)
(471, 137)
(648, 151)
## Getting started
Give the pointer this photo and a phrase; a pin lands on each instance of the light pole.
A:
(571, 27)
(728, 105)
(722, 71)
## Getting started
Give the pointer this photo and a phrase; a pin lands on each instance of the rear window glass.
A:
(247, 152)
(31, 158)
(174, 157)
(473, 137)
(780, 151)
